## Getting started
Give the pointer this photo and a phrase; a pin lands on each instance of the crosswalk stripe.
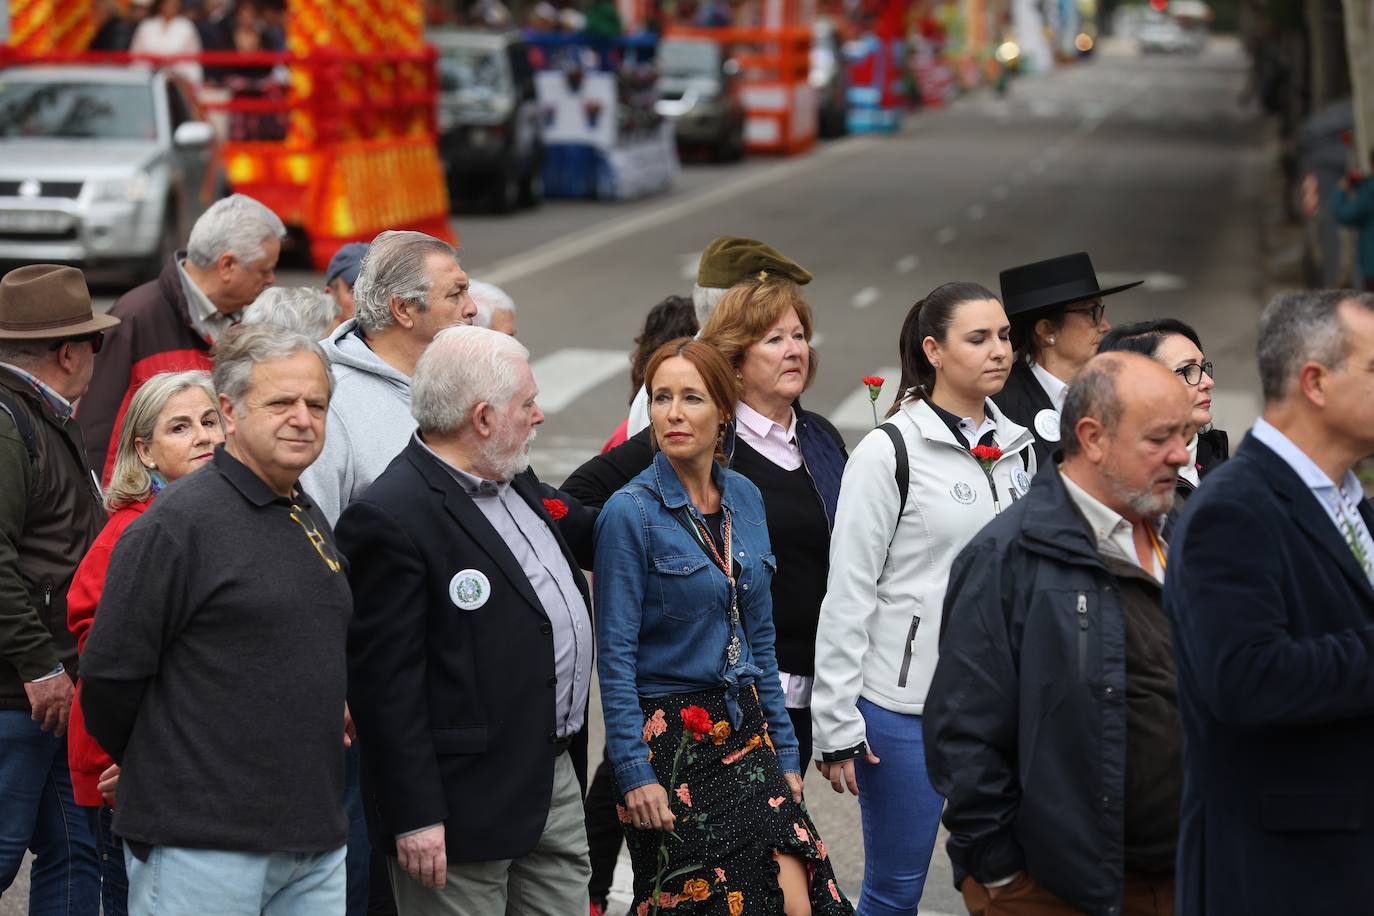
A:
(565, 375)
(854, 411)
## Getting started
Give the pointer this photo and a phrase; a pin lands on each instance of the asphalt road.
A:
(1150, 164)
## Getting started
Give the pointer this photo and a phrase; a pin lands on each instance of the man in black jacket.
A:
(1052, 721)
(470, 652)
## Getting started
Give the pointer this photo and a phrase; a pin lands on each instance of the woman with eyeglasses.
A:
(170, 429)
(1178, 347)
(1058, 319)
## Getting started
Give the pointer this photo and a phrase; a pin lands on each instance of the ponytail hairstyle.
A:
(930, 317)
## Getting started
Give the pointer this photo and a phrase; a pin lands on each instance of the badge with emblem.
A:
(469, 589)
(963, 493)
(1047, 424)
(1022, 481)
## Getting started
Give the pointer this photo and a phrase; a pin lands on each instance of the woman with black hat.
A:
(1058, 320)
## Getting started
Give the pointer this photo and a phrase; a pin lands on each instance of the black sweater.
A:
(215, 671)
(800, 537)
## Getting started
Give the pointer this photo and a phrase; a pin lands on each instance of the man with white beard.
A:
(1052, 724)
(470, 649)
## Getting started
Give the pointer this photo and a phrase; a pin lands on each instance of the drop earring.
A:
(1051, 341)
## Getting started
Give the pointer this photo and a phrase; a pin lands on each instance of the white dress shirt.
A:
(1115, 535)
(1056, 389)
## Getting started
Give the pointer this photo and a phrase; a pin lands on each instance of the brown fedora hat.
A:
(47, 302)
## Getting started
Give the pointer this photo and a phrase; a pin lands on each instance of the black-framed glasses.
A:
(95, 338)
(1192, 373)
(1094, 312)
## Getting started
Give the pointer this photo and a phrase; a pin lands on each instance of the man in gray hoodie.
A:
(409, 289)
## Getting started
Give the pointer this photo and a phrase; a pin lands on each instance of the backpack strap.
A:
(21, 423)
(902, 474)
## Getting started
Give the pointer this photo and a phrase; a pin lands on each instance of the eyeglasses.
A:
(302, 518)
(96, 339)
(1192, 373)
(1094, 312)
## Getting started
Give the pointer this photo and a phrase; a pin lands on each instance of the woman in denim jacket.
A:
(686, 660)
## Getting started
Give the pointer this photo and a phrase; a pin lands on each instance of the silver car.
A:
(100, 166)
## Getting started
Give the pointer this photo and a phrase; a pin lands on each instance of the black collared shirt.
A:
(215, 671)
(957, 426)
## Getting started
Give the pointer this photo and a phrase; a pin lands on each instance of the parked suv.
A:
(490, 134)
(100, 166)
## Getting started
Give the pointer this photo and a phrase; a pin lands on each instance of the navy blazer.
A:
(455, 708)
(1273, 623)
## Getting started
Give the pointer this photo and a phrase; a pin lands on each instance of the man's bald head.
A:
(1125, 427)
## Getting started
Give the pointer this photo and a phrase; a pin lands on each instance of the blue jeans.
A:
(216, 882)
(114, 883)
(900, 811)
(38, 812)
(359, 847)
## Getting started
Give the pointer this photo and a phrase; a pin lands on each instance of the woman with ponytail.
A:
(889, 564)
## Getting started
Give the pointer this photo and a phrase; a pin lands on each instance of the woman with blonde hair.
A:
(171, 428)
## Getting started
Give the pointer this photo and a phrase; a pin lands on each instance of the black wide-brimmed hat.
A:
(1058, 281)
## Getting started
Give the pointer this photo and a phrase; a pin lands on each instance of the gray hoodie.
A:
(369, 422)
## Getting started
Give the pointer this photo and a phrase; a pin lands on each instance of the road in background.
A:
(1150, 164)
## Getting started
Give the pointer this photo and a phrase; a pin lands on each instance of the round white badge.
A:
(1022, 481)
(469, 589)
(1047, 424)
(963, 493)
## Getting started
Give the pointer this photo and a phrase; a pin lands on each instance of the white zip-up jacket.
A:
(880, 621)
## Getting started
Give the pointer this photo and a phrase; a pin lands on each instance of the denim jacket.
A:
(662, 611)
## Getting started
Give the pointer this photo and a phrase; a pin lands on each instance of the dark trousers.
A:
(604, 834)
(801, 724)
(1146, 895)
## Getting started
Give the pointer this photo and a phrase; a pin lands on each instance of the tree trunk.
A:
(1359, 42)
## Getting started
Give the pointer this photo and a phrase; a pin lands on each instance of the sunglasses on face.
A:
(96, 340)
(1094, 312)
(1192, 373)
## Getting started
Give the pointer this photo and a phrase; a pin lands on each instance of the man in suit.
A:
(1272, 609)
(470, 651)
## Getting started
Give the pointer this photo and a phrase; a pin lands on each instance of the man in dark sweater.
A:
(215, 671)
(1052, 723)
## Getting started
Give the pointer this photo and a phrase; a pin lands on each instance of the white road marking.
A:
(907, 264)
(865, 297)
(947, 235)
(977, 212)
(565, 375)
(854, 411)
(690, 262)
(817, 339)
(616, 228)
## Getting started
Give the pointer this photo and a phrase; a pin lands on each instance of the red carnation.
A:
(557, 508)
(697, 721)
(874, 381)
(987, 455)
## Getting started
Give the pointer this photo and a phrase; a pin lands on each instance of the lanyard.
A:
(732, 649)
(1154, 542)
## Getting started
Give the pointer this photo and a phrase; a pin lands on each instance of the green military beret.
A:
(733, 259)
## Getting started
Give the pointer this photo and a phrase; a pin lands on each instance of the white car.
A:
(100, 166)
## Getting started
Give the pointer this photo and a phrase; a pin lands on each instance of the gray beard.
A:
(498, 458)
(1144, 503)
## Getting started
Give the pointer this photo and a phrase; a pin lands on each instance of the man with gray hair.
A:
(1270, 596)
(302, 309)
(410, 287)
(1051, 725)
(495, 307)
(169, 324)
(470, 649)
(215, 671)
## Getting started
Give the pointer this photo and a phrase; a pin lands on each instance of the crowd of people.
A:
(289, 625)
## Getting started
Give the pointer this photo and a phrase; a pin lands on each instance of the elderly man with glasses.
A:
(221, 635)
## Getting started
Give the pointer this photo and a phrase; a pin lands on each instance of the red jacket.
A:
(86, 758)
(154, 335)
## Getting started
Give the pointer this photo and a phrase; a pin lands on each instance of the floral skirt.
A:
(734, 810)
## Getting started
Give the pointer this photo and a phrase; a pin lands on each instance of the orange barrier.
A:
(352, 149)
(775, 67)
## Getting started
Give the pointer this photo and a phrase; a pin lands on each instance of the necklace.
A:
(732, 649)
